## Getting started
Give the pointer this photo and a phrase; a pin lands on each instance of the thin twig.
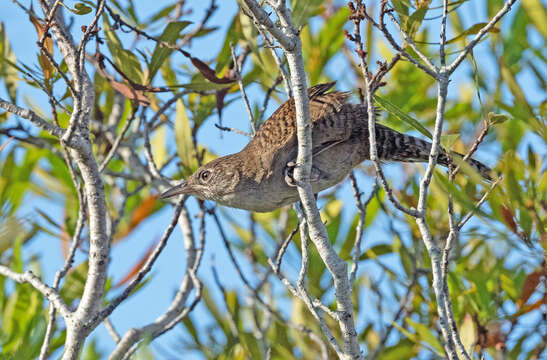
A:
(504, 10)
(371, 82)
(282, 249)
(231, 321)
(145, 269)
(118, 141)
(403, 303)
(237, 73)
(362, 209)
(468, 216)
(31, 115)
(267, 98)
(432, 69)
(111, 330)
(49, 293)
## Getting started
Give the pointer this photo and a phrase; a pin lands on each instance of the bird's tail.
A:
(394, 146)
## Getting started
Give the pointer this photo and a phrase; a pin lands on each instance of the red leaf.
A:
(130, 93)
(209, 73)
(509, 218)
(530, 285)
(135, 269)
(220, 95)
(141, 212)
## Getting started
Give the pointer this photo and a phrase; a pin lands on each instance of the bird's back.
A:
(280, 128)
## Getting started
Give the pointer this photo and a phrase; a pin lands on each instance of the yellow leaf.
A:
(158, 147)
(467, 334)
(183, 138)
(536, 11)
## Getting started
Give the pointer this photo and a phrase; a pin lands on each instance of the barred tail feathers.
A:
(394, 146)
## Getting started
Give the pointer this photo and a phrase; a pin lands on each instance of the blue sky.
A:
(169, 270)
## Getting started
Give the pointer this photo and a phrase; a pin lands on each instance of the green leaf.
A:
(404, 349)
(459, 196)
(426, 336)
(375, 251)
(494, 119)
(472, 31)
(125, 60)
(415, 20)
(161, 14)
(302, 10)
(233, 35)
(215, 312)
(7, 72)
(91, 352)
(170, 36)
(183, 139)
(405, 332)
(535, 9)
(79, 8)
(508, 285)
(448, 140)
(20, 318)
(401, 8)
(74, 284)
(250, 343)
(327, 44)
(202, 85)
(401, 115)
(82, 9)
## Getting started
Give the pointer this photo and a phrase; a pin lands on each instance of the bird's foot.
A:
(315, 175)
(289, 174)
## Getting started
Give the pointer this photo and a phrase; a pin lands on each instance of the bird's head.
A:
(212, 181)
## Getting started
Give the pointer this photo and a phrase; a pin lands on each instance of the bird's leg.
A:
(316, 173)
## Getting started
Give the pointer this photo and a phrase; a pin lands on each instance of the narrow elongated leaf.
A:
(125, 60)
(537, 12)
(136, 268)
(161, 52)
(426, 336)
(401, 115)
(529, 287)
(159, 147)
(7, 72)
(376, 251)
(415, 20)
(472, 31)
(302, 10)
(74, 284)
(459, 196)
(183, 138)
(467, 333)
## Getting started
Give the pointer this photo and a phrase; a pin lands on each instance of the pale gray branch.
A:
(177, 309)
(49, 293)
(31, 115)
(288, 38)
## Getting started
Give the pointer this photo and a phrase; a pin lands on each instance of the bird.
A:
(259, 177)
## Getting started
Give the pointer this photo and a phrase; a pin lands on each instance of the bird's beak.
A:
(182, 188)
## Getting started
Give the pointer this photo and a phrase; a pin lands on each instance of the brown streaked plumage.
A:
(258, 177)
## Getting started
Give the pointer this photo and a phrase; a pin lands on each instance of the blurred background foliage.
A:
(498, 274)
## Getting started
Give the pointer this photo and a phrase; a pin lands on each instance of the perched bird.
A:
(259, 177)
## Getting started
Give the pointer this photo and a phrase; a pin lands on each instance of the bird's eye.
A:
(205, 175)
